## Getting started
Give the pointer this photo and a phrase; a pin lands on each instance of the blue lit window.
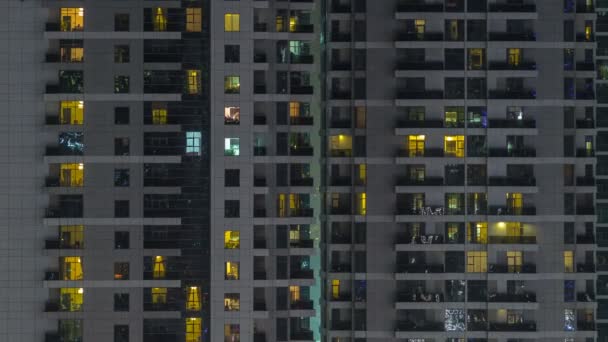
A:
(193, 143)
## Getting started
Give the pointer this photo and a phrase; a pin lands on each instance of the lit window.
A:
(71, 237)
(71, 112)
(71, 268)
(159, 295)
(71, 54)
(160, 20)
(71, 175)
(159, 269)
(72, 19)
(514, 57)
(294, 293)
(281, 207)
(341, 145)
(514, 261)
(231, 271)
(71, 299)
(232, 332)
(193, 143)
(194, 299)
(415, 145)
(159, 114)
(476, 59)
(232, 115)
(232, 147)
(568, 261)
(232, 84)
(454, 146)
(293, 24)
(194, 82)
(335, 289)
(453, 117)
(477, 262)
(477, 232)
(362, 203)
(193, 19)
(232, 239)
(362, 174)
(515, 203)
(232, 22)
(294, 109)
(569, 320)
(232, 302)
(420, 27)
(194, 329)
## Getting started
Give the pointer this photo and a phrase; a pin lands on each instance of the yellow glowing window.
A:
(476, 59)
(588, 32)
(282, 205)
(454, 146)
(294, 293)
(362, 174)
(194, 81)
(71, 175)
(194, 299)
(452, 231)
(514, 229)
(477, 232)
(420, 26)
(71, 112)
(232, 332)
(232, 84)
(194, 328)
(232, 22)
(71, 236)
(568, 261)
(294, 109)
(160, 20)
(71, 268)
(453, 116)
(159, 114)
(159, 270)
(232, 239)
(477, 262)
(335, 288)
(232, 270)
(360, 117)
(341, 145)
(193, 19)
(294, 233)
(159, 295)
(71, 299)
(232, 302)
(294, 203)
(514, 261)
(293, 24)
(280, 23)
(415, 145)
(514, 56)
(72, 19)
(72, 54)
(515, 203)
(362, 203)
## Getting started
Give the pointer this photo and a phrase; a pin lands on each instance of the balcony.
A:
(340, 268)
(585, 239)
(430, 65)
(513, 7)
(302, 305)
(585, 66)
(340, 325)
(419, 326)
(301, 120)
(503, 268)
(585, 326)
(260, 27)
(63, 89)
(419, 268)
(498, 123)
(67, 212)
(503, 94)
(340, 181)
(259, 151)
(427, 152)
(512, 181)
(585, 297)
(525, 65)
(525, 152)
(259, 212)
(507, 210)
(403, 94)
(302, 243)
(420, 37)
(582, 37)
(340, 37)
(301, 59)
(585, 268)
(259, 244)
(301, 212)
(512, 36)
(259, 337)
(301, 181)
(409, 297)
(259, 275)
(301, 90)
(427, 181)
(512, 239)
(585, 153)
(526, 297)
(585, 210)
(421, 6)
(585, 123)
(302, 335)
(301, 151)
(61, 244)
(341, 65)
(259, 120)
(524, 326)
(52, 337)
(302, 274)
(156, 307)
(342, 297)
(420, 124)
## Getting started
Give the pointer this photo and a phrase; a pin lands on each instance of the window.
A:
(193, 143)
(232, 332)
(159, 295)
(514, 57)
(232, 84)
(477, 232)
(194, 82)
(415, 145)
(454, 146)
(476, 59)
(71, 237)
(361, 174)
(160, 20)
(121, 333)
(232, 115)
(121, 84)
(159, 267)
(232, 239)
(232, 54)
(232, 302)
(335, 289)
(71, 112)
(71, 175)
(514, 261)
(569, 320)
(515, 203)
(121, 302)
(72, 19)
(121, 208)
(231, 208)
(71, 268)
(71, 299)
(193, 300)
(454, 117)
(159, 113)
(231, 177)
(121, 177)
(121, 54)
(71, 51)
(121, 240)
(121, 22)
(121, 271)
(121, 146)
(568, 261)
(569, 291)
(232, 22)
(121, 115)
(232, 147)
(231, 271)
(193, 19)
(477, 262)
(194, 329)
(341, 145)
(362, 203)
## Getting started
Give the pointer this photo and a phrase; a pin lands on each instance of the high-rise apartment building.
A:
(304, 170)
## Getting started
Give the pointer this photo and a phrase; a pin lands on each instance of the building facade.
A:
(304, 170)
